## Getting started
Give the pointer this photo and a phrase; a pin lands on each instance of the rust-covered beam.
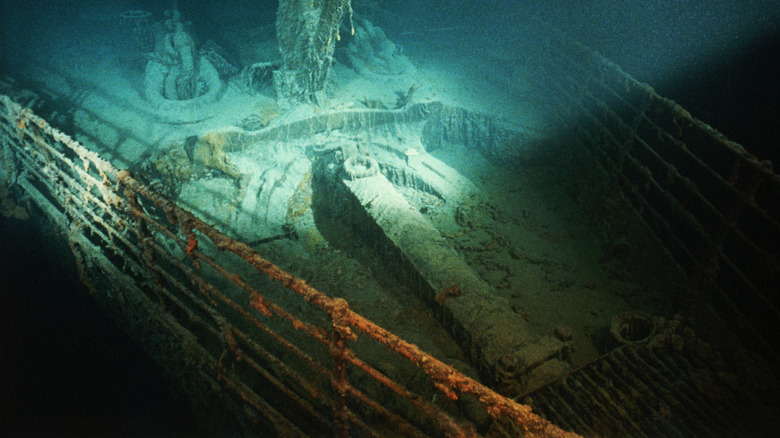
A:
(447, 379)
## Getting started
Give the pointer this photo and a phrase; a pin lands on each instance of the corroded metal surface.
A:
(148, 250)
(711, 203)
(645, 392)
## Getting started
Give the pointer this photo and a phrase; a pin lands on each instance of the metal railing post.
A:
(146, 261)
(135, 211)
(338, 314)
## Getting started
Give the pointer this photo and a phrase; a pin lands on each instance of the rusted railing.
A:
(286, 353)
(712, 204)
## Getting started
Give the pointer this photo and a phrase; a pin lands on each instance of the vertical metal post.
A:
(307, 33)
(136, 211)
(338, 348)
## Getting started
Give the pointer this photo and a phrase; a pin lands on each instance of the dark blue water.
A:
(65, 368)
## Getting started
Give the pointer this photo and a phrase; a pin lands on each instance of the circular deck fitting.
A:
(182, 110)
(633, 327)
(360, 166)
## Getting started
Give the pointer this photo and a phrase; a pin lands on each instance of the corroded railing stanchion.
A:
(338, 352)
(102, 204)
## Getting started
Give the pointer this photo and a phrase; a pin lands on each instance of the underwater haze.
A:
(717, 58)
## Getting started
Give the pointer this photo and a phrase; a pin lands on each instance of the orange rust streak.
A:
(192, 244)
(257, 304)
(446, 378)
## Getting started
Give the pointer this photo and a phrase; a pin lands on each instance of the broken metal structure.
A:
(273, 354)
(236, 339)
(307, 32)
